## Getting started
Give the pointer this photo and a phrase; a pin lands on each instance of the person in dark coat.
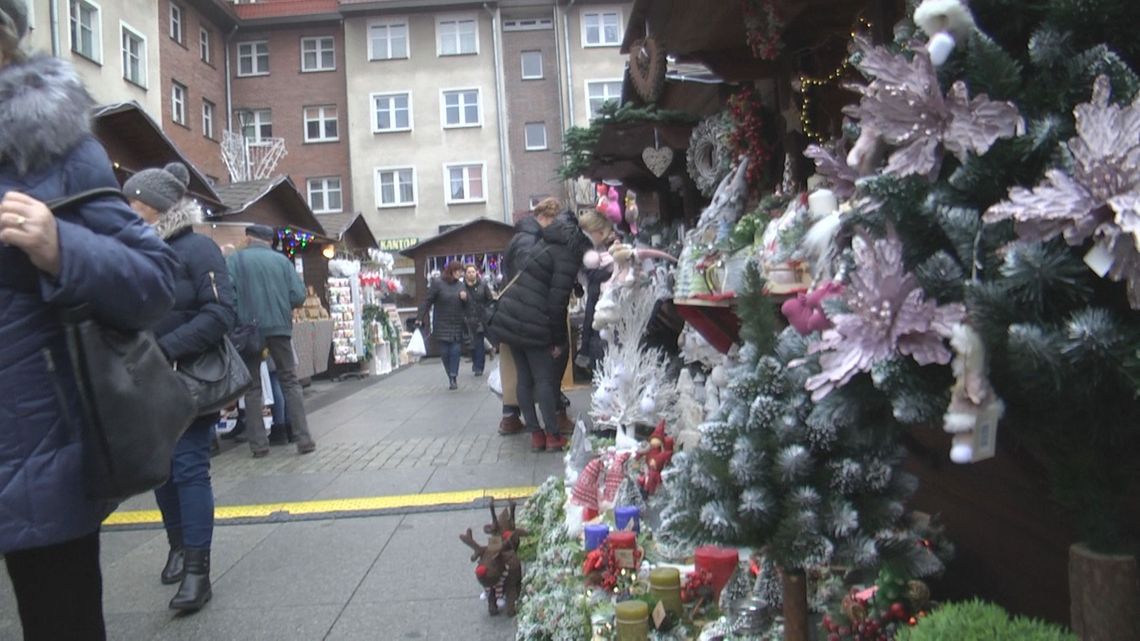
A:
(447, 298)
(98, 254)
(204, 312)
(592, 347)
(531, 318)
(478, 294)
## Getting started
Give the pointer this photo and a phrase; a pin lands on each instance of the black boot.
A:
(277, 435)
(195, 589)
(289, 433)
(173, 570)
(451, 383)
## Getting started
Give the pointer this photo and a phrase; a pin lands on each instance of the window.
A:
(531, 65)
(465, 183)
(532, 24)
(601, 28)
(393, 112)
(207, 118)
(388, 40)
(256, 124)
(320, 124)
(253, 58)
(134, 56)
(325, 195)
(599, 92)
(176, 22)
(178, 103)
(204, 45)
(457, 36)
(318, 54)
(395, 187)
(535, 135)
(86, 29)
(461, 108)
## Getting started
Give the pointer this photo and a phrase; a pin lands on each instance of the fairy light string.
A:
(807, 83)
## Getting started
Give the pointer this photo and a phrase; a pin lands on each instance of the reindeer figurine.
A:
(499, 570)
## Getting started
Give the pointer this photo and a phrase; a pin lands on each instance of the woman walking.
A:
(478, 293)
(203, 313)
(447, 298)
(97, 254)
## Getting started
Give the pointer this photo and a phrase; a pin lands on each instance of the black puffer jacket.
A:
(477, 297)
(532, 313)
(449, 312)
(204, 300)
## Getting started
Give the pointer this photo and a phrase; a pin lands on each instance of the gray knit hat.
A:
(261, 232)
(159, 188)
(15, 12)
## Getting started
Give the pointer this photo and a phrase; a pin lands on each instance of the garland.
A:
(747, 137)
(580, 143)
(764, 26)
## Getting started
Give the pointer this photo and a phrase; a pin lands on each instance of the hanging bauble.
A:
(657, 160)
(613, 206)
(647, 68)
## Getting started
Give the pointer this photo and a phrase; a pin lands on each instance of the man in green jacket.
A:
(269, 289)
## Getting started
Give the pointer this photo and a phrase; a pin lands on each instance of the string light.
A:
(294, 240)
(807, 83)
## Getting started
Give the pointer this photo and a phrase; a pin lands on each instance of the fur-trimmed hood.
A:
(44, 112)
(181, 216)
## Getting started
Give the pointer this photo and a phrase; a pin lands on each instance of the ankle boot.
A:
(451, 383)
(195, 589)
(173, 570)
(277, 435)
(289, 436)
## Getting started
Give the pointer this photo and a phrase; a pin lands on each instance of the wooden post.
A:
(1104, 595)
(795, 605)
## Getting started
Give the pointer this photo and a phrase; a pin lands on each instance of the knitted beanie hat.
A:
(15, 12)
(159, 188)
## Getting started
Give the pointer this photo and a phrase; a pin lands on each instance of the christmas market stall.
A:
(480, 242)
(903, 405)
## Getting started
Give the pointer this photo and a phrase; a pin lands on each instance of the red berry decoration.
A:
(898, 611)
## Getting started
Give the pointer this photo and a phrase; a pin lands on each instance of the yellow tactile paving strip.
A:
(223, 513)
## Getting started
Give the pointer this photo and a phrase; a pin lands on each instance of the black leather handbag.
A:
(135, 407)
(215, 378)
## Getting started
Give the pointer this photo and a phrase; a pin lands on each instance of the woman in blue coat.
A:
(204, 311)
(99, 254)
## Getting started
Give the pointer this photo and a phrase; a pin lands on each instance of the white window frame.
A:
(601, 13)
(96, 30)
(466, 182)
(319, 53)
(256, 123)
(323, 183)
(209, 111)
(389, 23)
(526, 137)
(461, 124)
(602, 81)
(205, 52)
(541, 63)
(124, 30)
(321, 116)
(388, 94)
(253, 55)
(396, 187)
(455, 18)
(177, 26)
(179, 97)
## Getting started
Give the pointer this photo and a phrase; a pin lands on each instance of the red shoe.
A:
(537, 441)
(555, 442)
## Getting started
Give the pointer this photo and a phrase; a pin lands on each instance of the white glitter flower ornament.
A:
(1099, 199)
(904, 106)
(888, 314)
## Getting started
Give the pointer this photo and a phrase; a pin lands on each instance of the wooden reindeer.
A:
(499, 570)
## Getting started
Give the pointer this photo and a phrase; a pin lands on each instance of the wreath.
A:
(647, 68)
(708, 156)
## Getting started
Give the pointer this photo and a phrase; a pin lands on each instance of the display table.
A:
(312, 340)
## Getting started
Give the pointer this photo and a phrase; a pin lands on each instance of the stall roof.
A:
(240, 197)
(130, 124)
(349, 228)
(434, 240)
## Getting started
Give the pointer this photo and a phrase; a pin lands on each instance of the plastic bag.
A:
(495, 381)
(416, 345)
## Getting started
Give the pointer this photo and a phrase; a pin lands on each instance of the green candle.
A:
(632, 620)
(665, 584)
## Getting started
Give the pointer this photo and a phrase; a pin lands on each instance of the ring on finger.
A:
(20, 220)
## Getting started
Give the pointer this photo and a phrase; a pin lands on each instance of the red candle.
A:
(720, 562)
(624, 546)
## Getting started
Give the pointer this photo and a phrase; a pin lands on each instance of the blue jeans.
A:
(478, 353)
(449, 355)
(278, 400)
(186, 500)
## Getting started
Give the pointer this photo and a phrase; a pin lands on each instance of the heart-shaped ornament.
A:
(657, 159)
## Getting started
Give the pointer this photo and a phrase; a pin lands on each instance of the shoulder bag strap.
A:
(522, 269)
